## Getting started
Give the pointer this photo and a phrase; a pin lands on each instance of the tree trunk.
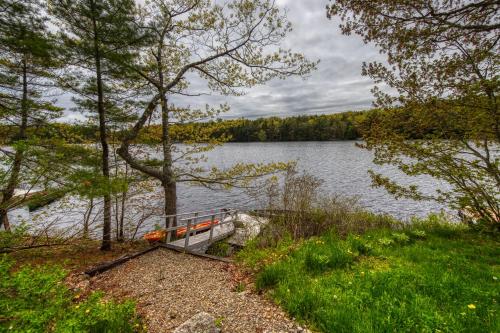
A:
(168, 182)
(121, 236)
(106, 227)
(8, 192)
(86, 219)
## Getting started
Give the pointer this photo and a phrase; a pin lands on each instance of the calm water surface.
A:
(341, 165)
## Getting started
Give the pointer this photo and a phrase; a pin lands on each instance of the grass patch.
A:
(432, 277)
(219, 249)
(35, 299)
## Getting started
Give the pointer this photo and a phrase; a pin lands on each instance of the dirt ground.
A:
(171, 287)
(75, 256)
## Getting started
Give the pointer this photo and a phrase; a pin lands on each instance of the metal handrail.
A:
(227, 212)
(192, 213)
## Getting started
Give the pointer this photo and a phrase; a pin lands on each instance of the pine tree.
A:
(96, 34)
(28, 56)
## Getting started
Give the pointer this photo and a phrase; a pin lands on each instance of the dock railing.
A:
(188, 222)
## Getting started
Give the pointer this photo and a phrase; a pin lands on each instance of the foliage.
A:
(300, 210)
(229, 46)
(27, 64)
(220, 249)
(341, 126)
(433, 276)
(36, 300)
(337, 126)
(443, 61)
(12, 238)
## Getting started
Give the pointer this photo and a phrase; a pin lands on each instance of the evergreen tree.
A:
(96, 34)
(27, 58)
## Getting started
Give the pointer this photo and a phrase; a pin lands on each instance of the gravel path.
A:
(171, 287)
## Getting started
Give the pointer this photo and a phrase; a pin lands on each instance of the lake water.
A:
(341, 165)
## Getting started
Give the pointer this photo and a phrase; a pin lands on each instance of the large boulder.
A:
(247, 227)
(199, 323)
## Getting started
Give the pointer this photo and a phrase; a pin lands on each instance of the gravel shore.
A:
(171, 287)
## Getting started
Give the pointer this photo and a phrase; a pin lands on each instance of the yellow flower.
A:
(76, 307)
(471, 306)
(87, 311)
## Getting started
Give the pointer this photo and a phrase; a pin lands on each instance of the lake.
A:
(341, 165)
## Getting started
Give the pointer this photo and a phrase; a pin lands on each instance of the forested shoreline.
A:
(339, 126)
(348, 125)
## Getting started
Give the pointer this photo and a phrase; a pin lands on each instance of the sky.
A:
(336, 86)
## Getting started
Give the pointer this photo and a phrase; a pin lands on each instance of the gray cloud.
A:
(336, 86)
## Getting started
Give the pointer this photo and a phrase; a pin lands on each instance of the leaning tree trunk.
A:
(8, 192)
(106, 228)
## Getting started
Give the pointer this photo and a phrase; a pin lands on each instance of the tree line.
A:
(339, 126)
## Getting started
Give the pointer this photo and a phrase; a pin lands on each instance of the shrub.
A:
(300, 210)
(271, 276)
(13, 238)
(418, 234)
(36, 300)
(220, 249)
(360, 245)
(400, 237)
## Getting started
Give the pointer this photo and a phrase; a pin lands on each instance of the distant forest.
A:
(340, 126)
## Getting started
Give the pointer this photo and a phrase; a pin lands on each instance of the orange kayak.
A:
(155, 236)
(205, 224)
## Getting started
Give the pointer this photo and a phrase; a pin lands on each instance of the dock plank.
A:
(200, 241)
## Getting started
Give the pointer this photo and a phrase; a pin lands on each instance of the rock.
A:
(199, 323)
(247, 227)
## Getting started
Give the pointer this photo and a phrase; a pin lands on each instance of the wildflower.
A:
(87, 311)
(76, 307)
(471, 306)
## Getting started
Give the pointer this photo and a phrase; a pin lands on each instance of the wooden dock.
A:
(219, 225)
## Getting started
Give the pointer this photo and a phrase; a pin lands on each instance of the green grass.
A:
(35, 299)
(431, 278)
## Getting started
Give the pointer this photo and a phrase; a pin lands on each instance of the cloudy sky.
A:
(336, 86)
